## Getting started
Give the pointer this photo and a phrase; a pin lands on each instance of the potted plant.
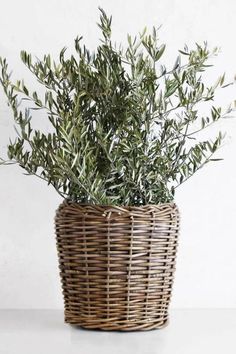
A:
(124, 134)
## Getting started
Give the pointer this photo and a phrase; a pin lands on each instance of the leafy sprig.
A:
(124, 128)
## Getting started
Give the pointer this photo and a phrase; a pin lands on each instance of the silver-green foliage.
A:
(123, 127)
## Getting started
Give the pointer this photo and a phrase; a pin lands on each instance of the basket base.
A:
(122, 326)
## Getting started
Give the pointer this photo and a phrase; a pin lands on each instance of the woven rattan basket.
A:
(117, 264)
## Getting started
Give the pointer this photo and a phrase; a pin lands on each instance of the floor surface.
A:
(189, 332)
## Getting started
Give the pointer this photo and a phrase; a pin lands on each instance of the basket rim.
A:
(119, 208)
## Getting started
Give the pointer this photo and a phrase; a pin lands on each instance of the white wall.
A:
(206, 268)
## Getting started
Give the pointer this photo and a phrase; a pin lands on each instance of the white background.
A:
(206, 267)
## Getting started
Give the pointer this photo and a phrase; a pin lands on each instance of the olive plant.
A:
(124, 129)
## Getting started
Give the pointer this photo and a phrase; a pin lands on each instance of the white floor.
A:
(189, 332)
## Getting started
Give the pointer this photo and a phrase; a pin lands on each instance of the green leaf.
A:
(160, 52)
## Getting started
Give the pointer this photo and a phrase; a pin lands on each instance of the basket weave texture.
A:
(117, 264)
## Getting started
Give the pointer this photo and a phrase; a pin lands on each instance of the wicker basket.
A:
(117, 264)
